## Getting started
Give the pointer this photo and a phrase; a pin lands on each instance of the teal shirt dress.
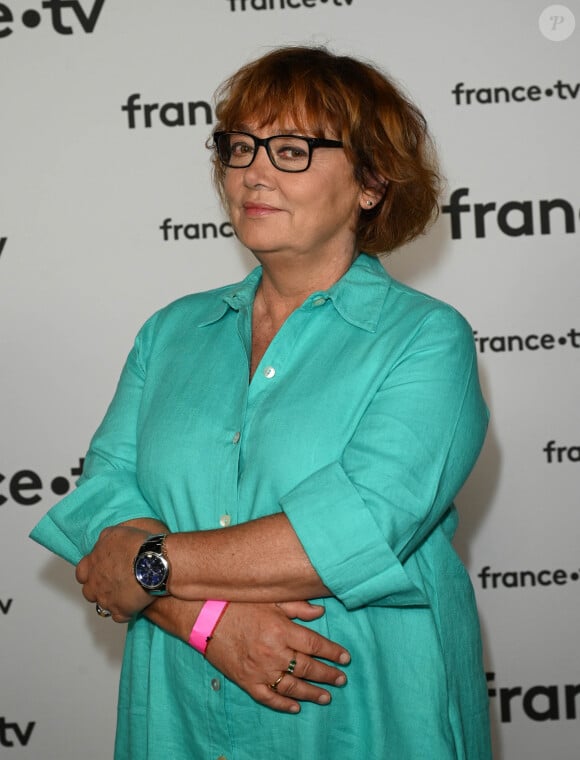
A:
(361, 423)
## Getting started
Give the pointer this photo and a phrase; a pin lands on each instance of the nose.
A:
(260, 171)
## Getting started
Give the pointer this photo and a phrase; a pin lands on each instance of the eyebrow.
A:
(289, 131)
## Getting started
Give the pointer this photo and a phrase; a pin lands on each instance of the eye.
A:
(292, 154)
(241, 146)
(290, 151)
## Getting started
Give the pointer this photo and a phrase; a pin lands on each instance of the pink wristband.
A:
(206, 623)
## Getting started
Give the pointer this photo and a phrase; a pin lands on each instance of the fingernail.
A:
(340, 681)
(344, 658)
(295, 709)
(324, 699)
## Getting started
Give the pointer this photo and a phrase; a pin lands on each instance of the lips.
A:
(259, 209)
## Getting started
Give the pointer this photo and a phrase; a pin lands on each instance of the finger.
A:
(312, 643)
(289, 693)
(266, 696)
(88, 593)
(309, 669)
(82, 571)
(119, 618)
(301, 610)
(303, 691)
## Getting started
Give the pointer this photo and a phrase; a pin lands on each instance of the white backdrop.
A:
(85, 258)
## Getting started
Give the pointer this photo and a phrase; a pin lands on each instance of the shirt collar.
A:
(358, 296)
(234, 297)
(360, 293)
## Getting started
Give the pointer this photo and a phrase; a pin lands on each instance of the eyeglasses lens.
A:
(290, 154)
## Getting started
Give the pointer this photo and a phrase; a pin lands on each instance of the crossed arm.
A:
(258, 561)
(256, 638)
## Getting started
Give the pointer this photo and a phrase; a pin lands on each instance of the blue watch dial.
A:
(151, 570)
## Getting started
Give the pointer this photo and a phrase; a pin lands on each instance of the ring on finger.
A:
(102, 611)
(274, 686)
(291, 664)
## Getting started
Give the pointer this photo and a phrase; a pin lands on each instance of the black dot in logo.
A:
(60, 485)
(562, 341)
(31, 19)
(549, 92)
(574, 576)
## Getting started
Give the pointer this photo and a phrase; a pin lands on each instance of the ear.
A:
(373, 195)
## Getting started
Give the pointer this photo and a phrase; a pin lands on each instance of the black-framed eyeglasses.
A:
(289, 153)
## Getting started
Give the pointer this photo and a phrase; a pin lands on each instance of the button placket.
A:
(215, 695)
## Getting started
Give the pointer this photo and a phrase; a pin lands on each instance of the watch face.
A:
(151, 570)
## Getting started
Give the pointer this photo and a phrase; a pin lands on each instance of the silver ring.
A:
(102, 611)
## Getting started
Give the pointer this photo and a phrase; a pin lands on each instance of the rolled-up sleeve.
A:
(360, 519)
(107, 492)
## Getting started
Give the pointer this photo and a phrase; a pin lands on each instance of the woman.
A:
(326, 416)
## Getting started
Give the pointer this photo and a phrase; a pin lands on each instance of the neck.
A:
(287, 283)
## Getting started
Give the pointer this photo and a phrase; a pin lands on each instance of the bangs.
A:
(290, 98)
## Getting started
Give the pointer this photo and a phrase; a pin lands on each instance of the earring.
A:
(369, 203)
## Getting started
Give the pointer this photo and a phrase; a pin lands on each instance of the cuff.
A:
(345, 543)
(72, 527)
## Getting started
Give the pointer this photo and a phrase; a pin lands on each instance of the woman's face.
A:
(311, 213)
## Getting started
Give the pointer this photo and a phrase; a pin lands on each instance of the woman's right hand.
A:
(253, 645)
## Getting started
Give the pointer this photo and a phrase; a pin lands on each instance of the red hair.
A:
(384, 134)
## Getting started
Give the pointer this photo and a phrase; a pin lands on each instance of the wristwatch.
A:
(151, 566)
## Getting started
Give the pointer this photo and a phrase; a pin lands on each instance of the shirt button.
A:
(225, 520)
(269, 372)
(319, 301)
(215, 684)
(236, 437)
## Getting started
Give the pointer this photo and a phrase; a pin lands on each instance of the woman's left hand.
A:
(277, 661)
(106, 574)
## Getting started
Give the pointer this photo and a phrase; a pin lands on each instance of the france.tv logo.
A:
(65, 16)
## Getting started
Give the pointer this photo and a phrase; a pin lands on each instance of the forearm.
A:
(261, 561)
(148, 524)
(258, 561)
(173, 615)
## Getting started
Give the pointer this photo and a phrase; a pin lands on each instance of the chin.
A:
(258, 245)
